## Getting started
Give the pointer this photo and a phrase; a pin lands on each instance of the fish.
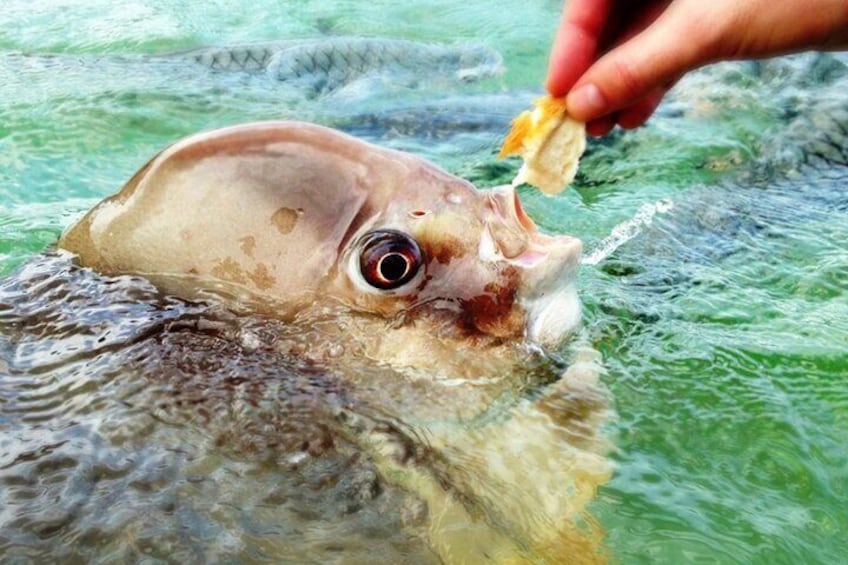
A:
(349, 68)
(292, 211)
(440, 306)
(113, 391)
(321, 66)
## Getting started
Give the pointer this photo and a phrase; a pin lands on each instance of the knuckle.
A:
(630, 83)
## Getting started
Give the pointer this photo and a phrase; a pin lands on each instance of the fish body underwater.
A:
(367, 338)
(324, 65)
(295, 70)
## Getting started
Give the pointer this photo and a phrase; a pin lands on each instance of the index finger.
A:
(576, 43)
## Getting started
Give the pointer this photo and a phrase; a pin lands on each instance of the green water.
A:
(723, 322)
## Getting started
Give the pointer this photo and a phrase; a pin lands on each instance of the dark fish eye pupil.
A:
(389, 259)
(393, 266)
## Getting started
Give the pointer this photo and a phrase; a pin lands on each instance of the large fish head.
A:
(433, 246)
(296, 213)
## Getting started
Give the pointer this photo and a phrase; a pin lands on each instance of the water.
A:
(715, 287)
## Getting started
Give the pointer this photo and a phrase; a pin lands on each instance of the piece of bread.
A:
(549, 141)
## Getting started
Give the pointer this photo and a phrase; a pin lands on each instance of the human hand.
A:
(615, 59)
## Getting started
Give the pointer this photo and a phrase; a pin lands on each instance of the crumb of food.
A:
(549, 141)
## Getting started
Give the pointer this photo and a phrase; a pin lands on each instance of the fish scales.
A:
(338, 61)
(238, 58)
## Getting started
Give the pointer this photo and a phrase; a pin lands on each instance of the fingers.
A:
(637, 114)
(601, 126)
(576, 43)
(630, 75)
(630, 117)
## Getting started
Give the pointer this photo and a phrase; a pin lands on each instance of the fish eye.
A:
(389, 259)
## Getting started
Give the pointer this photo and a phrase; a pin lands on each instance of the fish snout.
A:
(507, 205)
(548, 291)
(545, 261)
(547, 266)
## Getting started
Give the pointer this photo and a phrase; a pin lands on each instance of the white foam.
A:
(627, 230)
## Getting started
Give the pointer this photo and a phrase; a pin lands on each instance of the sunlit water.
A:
(715, 285)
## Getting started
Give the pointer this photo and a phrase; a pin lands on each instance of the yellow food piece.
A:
(549, 141)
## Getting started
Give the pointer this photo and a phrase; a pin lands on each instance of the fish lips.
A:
(548, 266)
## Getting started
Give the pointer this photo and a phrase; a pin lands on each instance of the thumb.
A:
(650, 60)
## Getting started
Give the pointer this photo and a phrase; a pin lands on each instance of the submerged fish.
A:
(285, 72)
(357, 332)
(324, 65)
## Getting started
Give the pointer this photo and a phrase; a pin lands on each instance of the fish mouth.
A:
(545, 259)
(548, 265)
(506, 202)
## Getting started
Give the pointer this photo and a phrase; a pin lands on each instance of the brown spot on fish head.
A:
(262, 277)
(444, 236)
(443, 249)
(228, 269)
(496, 311)
(185, 235)
(285, 219)
(248, 244)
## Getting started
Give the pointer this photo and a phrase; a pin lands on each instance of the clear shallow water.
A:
(723, 324)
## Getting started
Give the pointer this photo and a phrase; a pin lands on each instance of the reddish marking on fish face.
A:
(495, 312)
(261, 277)
(229, 270)
(443, 249)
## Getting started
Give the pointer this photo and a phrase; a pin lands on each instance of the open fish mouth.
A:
(548, 265)
(545, 260)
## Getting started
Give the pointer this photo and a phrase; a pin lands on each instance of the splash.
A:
(627, 230)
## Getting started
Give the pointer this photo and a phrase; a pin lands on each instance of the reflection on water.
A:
(136, 425)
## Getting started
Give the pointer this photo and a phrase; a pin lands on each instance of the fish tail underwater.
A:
(266, 295)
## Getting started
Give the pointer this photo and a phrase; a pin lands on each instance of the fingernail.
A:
(586, 102)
